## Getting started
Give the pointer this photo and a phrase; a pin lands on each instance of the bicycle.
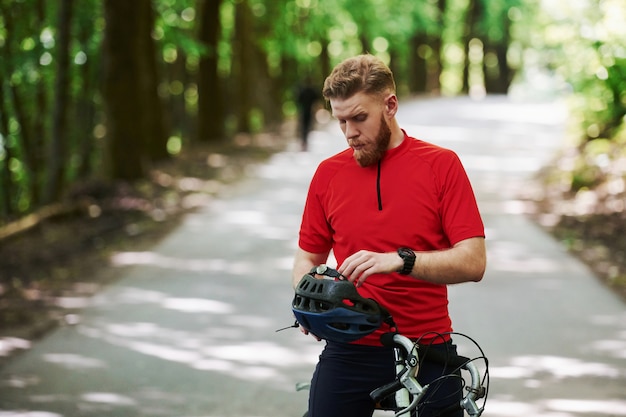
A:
(333, 309)
(404, 394)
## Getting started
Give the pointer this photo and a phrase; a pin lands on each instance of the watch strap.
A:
(408, 256)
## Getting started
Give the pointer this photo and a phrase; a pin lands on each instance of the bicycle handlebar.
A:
(405, 376)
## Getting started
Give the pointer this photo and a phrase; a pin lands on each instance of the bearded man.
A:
(400, 216)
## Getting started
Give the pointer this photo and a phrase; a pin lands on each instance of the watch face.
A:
(321, 269)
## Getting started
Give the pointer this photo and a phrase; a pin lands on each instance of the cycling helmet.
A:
(332, 309)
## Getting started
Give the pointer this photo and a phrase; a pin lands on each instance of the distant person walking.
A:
(307, 97)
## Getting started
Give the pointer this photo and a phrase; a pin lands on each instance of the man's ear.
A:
(391, 105)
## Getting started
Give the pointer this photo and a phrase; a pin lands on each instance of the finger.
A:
(354, 259)
(364, 271)
(352, 266)
(346, 267)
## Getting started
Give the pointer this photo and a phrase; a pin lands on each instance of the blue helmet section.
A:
(333, 310)
(337, 325)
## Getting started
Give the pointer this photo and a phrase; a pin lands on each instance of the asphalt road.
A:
(189, 329)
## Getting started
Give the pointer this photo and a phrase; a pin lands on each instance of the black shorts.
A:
(346, 374)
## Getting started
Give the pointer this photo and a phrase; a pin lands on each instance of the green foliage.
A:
(583, 43)
(174, 28)
(580, 43)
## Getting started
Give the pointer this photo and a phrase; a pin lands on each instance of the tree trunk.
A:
(152, 114)
(177, 115)
(6, 185)
(85, 109)
(324, 62)
(498, 79)
(268, 93)
(40, 133)
(120, 91)
(243, 55)
(365, 43)
(474, 11)
(436, 68)
(418, 73)
(506, 73)
(24, 136)
(58, 146)
(210, 100)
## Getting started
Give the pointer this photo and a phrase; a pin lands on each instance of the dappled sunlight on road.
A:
(72, 361)
(218, 337)
(191, 305)
(107, 398)
(256, 352)
(197, 305)
(11, 344)
(253, 360)
(147, 401)
(196, 265)
(608, 407)
(511, 256)
(163, 261)
(556, 408)
(554, 367)
(561, 386)
(615, 348)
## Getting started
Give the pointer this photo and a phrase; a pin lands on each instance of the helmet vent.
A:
(320, 306)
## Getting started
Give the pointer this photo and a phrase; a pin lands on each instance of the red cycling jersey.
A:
(418, 196)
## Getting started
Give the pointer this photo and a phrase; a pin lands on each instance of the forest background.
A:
(114, 113)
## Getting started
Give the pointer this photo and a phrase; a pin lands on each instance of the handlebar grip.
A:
(382, 392)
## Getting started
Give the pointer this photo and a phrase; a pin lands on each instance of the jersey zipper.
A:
(380, 199)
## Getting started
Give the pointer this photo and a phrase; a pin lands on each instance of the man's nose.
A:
(350, 131)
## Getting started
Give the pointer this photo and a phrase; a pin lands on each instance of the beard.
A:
(370, 156)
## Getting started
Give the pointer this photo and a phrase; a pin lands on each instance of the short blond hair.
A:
(362, 73)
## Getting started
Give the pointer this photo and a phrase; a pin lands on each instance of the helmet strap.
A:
(294, 325)
(388, 320)
(326, 271)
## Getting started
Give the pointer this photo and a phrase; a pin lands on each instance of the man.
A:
(306, 98)
(401, 219)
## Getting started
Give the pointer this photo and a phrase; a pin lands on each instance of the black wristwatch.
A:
(408, 256)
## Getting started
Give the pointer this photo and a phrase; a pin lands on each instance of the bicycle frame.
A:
(409, 392)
